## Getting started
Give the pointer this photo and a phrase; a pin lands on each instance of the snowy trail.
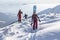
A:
(26, 34)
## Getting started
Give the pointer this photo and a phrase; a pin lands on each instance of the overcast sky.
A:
(29, 2)
(12, 6)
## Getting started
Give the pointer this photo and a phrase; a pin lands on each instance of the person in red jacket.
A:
(35, 19)
(19, 15)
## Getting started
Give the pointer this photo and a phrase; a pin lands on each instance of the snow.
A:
(48, 29)
(24, 31)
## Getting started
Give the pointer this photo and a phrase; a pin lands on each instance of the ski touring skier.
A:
(19, 15)
(35, 19)
(25, 16)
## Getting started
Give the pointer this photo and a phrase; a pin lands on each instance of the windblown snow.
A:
(48, 29)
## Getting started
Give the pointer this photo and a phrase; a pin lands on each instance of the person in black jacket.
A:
(25, 16)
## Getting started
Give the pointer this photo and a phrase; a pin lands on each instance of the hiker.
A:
(25, 16)
(35, 19)
(19, 15)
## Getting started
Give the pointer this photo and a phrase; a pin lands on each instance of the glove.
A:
(31, 24)
(39, 21)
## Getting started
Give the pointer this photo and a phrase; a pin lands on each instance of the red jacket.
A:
(19, 15)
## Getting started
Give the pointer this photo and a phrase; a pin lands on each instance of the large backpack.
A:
(34, 17)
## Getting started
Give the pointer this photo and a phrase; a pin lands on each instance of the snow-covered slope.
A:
(48, 29)
(8, 18)
(51, 10)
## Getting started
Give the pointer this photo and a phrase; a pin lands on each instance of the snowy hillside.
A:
(48, 29)
(8, 18)
(51, 10)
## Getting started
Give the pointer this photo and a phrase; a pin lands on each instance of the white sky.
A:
(12, 6)
(31, 1)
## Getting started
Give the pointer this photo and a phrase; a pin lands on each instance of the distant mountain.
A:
(54, 10)
(6, 19)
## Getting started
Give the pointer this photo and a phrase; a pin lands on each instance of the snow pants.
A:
(19, 19)
(35, 25)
